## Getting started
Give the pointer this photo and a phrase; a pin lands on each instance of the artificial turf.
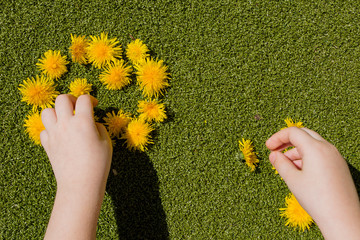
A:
(238, 69)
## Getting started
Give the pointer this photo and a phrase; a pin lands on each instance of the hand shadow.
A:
(356, 177)
(134, 190)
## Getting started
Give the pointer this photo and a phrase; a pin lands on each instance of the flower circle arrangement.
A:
(105, 54)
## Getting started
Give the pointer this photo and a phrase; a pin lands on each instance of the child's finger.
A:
(104, 134)
(64, 106)
(48, 117)
(285, 167)
(102, 131)
(84, 105)
(298, 164)
(44, 139)
(94, 101)
(313, 134)
(292, 154)
(295, 157)
(292, 136)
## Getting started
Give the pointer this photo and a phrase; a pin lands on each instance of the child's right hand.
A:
(320, 179)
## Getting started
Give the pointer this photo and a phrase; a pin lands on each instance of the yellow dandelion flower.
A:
(249, 155)
(116, 123)
(137, 135)
(151, 110)
(79, 87)
(34, 126)
(78, 48)
(136, 51)
(102, 50)
(53, 64)
(291, 123)
(116, 75)
(39, 92)
(152, 77)
(295, 214)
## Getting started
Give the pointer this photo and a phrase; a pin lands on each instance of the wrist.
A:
(341, 223)
(75, 211)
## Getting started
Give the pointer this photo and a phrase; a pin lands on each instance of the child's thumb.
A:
(283, 165)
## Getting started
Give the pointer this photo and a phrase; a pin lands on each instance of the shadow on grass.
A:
(356, 177)
(133, 187)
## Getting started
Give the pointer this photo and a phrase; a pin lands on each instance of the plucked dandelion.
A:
(136, 51)
(78, 48)
(102, 50)
(79, 87)
(152, 77)
(116, 75)
(137, 135)
(151, 110)
(295, 214)
(249, 155)
(116, 123)
(53, 65)
(34, 126)
(38, 91)
(291, 123)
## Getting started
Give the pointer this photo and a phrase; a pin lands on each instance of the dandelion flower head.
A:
(53, 64)
(116, 75)
(116, 123)
(79, 87)
(152, 77)
(102, 50)
(249, 155)
(39, 92)
(136, 51)
(151, 110)
(137, 135)
(34, 126)
(295, 214)
(291, 123)
(78, 48)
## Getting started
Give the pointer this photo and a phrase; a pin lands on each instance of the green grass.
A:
(228, 60)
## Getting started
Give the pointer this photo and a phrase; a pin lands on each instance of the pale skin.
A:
(320, 179)
(80, 153)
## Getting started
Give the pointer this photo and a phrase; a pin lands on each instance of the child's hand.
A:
(80, 153)
(320, 179)
(79, 149)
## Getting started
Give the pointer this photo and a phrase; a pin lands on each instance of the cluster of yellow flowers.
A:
(106, 54)
(295, 214)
